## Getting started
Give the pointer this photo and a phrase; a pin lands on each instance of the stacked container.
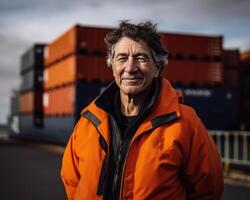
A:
(231, 60)
(14, 102)
(245, 89)
(30, 103)
(244, 56)
(194, 59)
(13, 119)
(78, 40)
(216, 106)
(75, 73)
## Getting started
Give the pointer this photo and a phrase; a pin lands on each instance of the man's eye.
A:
(121, 59)
(141, 59)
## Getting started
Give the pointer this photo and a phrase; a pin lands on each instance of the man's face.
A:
(133, 66)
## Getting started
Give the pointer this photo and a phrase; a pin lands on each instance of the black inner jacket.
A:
(122, 120)
(122, 131)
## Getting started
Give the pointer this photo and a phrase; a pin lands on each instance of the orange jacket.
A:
(171, 155)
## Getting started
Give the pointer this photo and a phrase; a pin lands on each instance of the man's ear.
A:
(156, 71)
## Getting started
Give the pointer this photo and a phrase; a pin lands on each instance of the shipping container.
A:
(70, 99)
(60, 128)
(245, 83)
(194, 45)
(231, 77)
(245, 62)
(75, 68)
(33, 58)
(200, 73)
(90, 40)
(55, 129)
(231, 58)
(32, 80)
(59, 101)
(93, 68)
(31, 102)
(78, 39)
(64, 72)
(245, 105)
(245, 56)
(218, 107)
(14, 102)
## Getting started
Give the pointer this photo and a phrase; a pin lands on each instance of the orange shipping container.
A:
(194, 72)
(245, 56)
(64, 72)
(93, 68)
(90, 40)
(60, 101)
(193, 45)
(77, 39)
(71, 99)
(31, 102)
(62, 46)
(74, 68)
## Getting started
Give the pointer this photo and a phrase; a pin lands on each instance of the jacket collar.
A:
(106, 100)
(167, 101)
(165, 109)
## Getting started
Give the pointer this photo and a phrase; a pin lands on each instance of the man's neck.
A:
(131, 105)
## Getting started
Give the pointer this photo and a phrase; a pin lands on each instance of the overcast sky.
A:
(24, 22)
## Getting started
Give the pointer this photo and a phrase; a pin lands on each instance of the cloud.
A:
(10, 50)
(227, 8)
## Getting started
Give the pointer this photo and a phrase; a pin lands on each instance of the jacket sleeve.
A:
(203, 176)
(69, 172)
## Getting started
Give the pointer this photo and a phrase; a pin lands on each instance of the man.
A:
(137, 140)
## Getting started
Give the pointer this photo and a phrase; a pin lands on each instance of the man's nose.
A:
(131, 65)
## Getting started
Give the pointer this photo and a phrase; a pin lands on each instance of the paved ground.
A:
(234, 192)
(29, 172)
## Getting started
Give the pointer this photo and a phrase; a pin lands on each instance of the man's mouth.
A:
(132, 78)
(132, 81)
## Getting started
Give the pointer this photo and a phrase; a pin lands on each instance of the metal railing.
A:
(233, 146)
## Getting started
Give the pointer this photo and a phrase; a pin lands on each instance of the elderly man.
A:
(137, 140)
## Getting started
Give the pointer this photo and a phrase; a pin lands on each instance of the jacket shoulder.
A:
(189, 117)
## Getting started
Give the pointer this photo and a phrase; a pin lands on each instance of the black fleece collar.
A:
(106, 99)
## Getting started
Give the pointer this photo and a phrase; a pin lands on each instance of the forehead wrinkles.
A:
(130, 48)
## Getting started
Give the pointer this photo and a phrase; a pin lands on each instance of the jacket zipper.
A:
(120, 163)
(123, 169)
(122, 154)
(126, 152)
